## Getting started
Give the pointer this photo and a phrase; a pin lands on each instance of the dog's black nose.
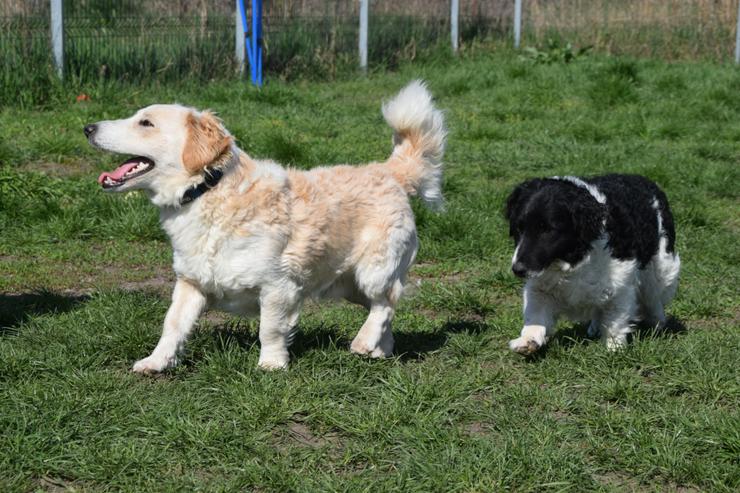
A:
(519, 269)
(90, 129)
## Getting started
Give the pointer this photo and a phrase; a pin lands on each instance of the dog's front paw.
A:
(273, 362)
(615, 343)
(384, 349)
(524, 345)
(152, 364)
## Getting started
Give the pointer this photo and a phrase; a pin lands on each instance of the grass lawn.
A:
(85, 279)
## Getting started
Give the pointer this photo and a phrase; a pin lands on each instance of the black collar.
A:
(212, 177)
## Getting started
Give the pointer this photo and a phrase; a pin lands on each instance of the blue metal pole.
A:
(260, 42)
(254, 45)
(257, 42)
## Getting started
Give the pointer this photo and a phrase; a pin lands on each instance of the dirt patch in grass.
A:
(561, 416)
(297, 433)
(478, 428)
(150, 277)
(623, 482)
(481, 395)
(619, 481)
(732, 319)
(73, 279)
(161, 283)
(56, 485)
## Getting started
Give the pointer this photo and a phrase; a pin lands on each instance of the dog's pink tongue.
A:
(118, 173)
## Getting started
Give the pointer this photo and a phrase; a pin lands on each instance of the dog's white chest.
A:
(581, 291)
(222, 263)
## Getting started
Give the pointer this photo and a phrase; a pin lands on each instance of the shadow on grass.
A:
(234, 333)
(15, 309)
(577, 335)
(408, 345)
(416, 345)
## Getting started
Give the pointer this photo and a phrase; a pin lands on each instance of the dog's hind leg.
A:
(187, 304)
(279, 310)
(380, 278)
(594, 328)
(615, 322)
(375, 338)
(652, 312)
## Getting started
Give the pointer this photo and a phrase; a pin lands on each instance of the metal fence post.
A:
(238, 38)
(363, 34)
(737, 36)
(454, 15)
(517, 23)
(57, 35)
(256, 42)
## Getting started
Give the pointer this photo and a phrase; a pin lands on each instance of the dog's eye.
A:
(146, 123)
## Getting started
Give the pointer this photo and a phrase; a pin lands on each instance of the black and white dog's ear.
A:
(519, 196)
(588, 218)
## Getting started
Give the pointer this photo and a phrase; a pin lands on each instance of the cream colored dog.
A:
(251, 236)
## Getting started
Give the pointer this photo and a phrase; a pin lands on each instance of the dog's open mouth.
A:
(132, 168)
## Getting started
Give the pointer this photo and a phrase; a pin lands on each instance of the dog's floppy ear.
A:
(588, 217)
(518, 198)
(206, 140)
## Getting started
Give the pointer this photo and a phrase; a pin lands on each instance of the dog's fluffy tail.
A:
(419, 140)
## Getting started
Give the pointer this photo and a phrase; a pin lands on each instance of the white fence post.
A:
(57, 35)
(363, 34)
(737, 36)
(454, 16)
(238, 38)
(517, 23)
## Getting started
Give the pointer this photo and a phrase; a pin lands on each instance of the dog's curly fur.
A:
(596, 249)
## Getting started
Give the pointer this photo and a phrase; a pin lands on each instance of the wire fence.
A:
(173, 39)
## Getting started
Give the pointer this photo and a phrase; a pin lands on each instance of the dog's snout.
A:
(519, 269)
(90, 129)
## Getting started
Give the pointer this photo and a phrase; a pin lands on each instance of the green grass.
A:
(84, 279)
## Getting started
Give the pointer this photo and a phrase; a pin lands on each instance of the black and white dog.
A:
(596, 249)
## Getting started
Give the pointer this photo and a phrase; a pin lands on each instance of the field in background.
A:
(143, 41)
(667, 29)
(85, 279)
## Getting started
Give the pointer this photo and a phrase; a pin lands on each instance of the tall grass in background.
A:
(27, 75)
(169, 55)
(135, 41)
(109, 42)
(667, 29)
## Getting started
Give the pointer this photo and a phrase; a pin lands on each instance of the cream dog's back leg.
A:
(380, 278)
(187, 304)
(375, 338)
